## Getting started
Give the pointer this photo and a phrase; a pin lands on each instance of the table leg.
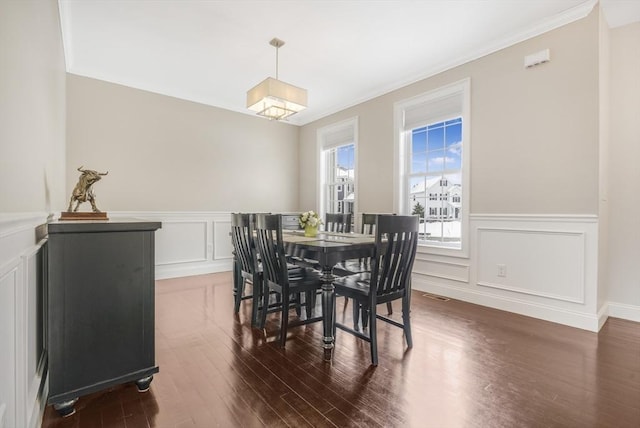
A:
(328, 312)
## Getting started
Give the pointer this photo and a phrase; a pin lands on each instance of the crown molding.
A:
(543, 26)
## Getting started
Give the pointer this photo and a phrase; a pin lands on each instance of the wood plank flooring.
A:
(470, 366)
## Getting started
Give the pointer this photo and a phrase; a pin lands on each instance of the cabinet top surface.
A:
(117, 225)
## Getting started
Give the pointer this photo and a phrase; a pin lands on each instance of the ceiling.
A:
(342, 52)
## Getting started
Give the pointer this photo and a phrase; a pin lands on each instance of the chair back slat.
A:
(368, 226)
(337, 222)
(396, 245)
(242, 240)
(270, 246)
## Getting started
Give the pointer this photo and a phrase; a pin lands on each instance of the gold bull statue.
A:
(83, 192)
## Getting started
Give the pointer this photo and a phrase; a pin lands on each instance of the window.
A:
(337, 154)
(432, 165)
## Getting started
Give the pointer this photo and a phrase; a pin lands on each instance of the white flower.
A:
(309, 218)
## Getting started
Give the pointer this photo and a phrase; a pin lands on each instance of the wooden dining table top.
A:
(329, 248)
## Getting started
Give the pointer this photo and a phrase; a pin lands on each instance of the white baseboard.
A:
(40, 405)
(178, 270)
(2, 407)
(627, 312)
(583, 321)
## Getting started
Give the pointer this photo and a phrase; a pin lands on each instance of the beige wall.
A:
(624, 173)
(166, 154)
(32, 107)
(603, 161)
(534, 133)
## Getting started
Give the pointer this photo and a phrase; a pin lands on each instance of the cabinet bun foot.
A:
(66, 408)
(144, 383)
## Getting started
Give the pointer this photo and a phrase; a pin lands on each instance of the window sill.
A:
(424, 248)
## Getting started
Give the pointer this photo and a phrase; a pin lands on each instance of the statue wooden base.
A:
(71, 216)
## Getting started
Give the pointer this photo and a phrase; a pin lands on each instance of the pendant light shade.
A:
(275, 99)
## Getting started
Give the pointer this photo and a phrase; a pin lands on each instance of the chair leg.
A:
(406, 320)
(373, 335)
(257, 295)
(365, 317)
(389, 308)
(298, 305)
(356, 315)
(238, 287)
(266, 293)
(334, 324)
(308, 302)
(284, 319)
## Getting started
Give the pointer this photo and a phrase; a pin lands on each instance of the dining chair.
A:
(290, 285)
(350, 267)
(246, 267)
(396, 241)
(337, 222)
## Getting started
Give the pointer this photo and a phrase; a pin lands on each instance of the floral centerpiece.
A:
(310, 221)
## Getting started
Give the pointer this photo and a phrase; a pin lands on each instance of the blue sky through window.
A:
(346, 156)
(437, 148)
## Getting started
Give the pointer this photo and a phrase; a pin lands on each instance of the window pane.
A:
(419, 140)
(346, 157)
(435, 192)
(436, 161)
(435, 137)
(419, 150)
(453, 141)
(417, 196)
(340, 173)
(419, 162)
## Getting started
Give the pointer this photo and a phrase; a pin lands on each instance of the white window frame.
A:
(401, 157)
(335, 135)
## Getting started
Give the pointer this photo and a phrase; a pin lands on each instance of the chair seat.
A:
(303, 279)
(356, 286)
(350, 267)
(305, 263)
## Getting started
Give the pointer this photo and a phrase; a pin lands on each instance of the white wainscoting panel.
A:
(189, 243)
(35, 361)
(181, 242)
(550, 265)
(545, 263)
(446, 268)
(223, 248)
(21, 376)
(8, 285)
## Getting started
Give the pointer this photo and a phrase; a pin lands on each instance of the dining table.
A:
(328, 249)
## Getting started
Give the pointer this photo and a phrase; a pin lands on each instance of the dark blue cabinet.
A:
(100, 318)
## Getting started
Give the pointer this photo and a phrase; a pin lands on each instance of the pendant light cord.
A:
(277, 48)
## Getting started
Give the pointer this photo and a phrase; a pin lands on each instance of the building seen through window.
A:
(435, 180)
(340, 179)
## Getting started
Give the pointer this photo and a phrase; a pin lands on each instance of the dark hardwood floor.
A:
(470, 366)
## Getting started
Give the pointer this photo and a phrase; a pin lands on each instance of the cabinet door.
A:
(101, 308)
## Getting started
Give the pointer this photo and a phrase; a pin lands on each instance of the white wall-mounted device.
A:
(537, 58)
